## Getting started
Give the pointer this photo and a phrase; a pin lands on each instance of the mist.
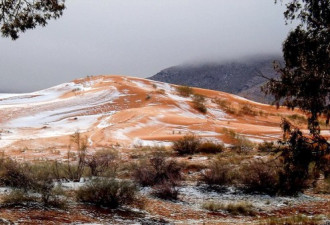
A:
(138, 38)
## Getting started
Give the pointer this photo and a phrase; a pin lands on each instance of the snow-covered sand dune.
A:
(126, 111)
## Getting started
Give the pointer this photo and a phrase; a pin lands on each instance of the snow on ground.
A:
(95, 103)
(197, 195)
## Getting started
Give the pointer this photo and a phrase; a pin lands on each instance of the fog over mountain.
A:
(241, 77)
(138, 38)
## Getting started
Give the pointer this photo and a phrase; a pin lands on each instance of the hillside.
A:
(127, 112)
(237, 77)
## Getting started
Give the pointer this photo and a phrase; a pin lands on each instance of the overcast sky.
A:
(138, 38)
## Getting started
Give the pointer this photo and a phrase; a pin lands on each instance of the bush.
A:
(247, 110)
(267, 147)
(157, 171)
(16, 175)
(107, 193)
(210, 147)
(294, 220)
(17, 197)
(240, 143)
(184, 91)
(199, 103)
(225, 105)
(35, 178)
(189, 144)
(261, 177)
(240, 208)
(101, 162)
(219, 173)
(166, 190)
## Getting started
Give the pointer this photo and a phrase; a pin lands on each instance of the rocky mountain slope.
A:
(238, 77)
(128, 112)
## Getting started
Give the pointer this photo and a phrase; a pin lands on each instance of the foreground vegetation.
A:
(106, 180)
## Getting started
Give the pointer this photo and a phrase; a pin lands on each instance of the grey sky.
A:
(138, 38)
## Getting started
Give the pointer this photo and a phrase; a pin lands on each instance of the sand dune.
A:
(125, 111)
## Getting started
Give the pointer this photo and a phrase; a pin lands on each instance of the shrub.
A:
(219, 173)
(210, 147)
(75, 172)
(157, 171)
(101, 162)
(240, 143)
(267, 147)
(166, 190)
(17, 197)
(298, 118)
(239, 208)
(294, 220)
(212, 206)
(16, 175)
(36, 178)
(225, 105)
(261, 177)
(199, 103)
(247, 110)
(107, 193)
(189, 144)
(184, 91)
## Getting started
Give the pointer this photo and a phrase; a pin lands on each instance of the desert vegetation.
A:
(184, 91)
(199, 103)
(159, 174)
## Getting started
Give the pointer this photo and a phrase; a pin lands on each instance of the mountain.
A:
(238, 77)
(125, 111)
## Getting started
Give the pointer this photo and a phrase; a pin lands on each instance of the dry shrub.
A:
(107, 193)
(156, 171)
(199, 103)
(268, 147)
(164, 176)
(188, 144)
(16, 175)
(36, 178)
(247, 110)
(294, 220)
(240, 143)
(225, 105)
(166, 190)
(219, 173)
(17, 197)
(239, 208)
(184, 91)
(261, 177)
(299, 119)
(210, 147)
(102, 162)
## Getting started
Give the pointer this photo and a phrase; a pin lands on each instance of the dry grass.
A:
(184, 91)
(188, 144)
(238, 208)
(225, 105)
(107, 193)
(293, 220)
(199, 103)
(247, 110)
(240, 143)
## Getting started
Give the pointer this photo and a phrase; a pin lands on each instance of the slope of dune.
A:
(127, 112)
